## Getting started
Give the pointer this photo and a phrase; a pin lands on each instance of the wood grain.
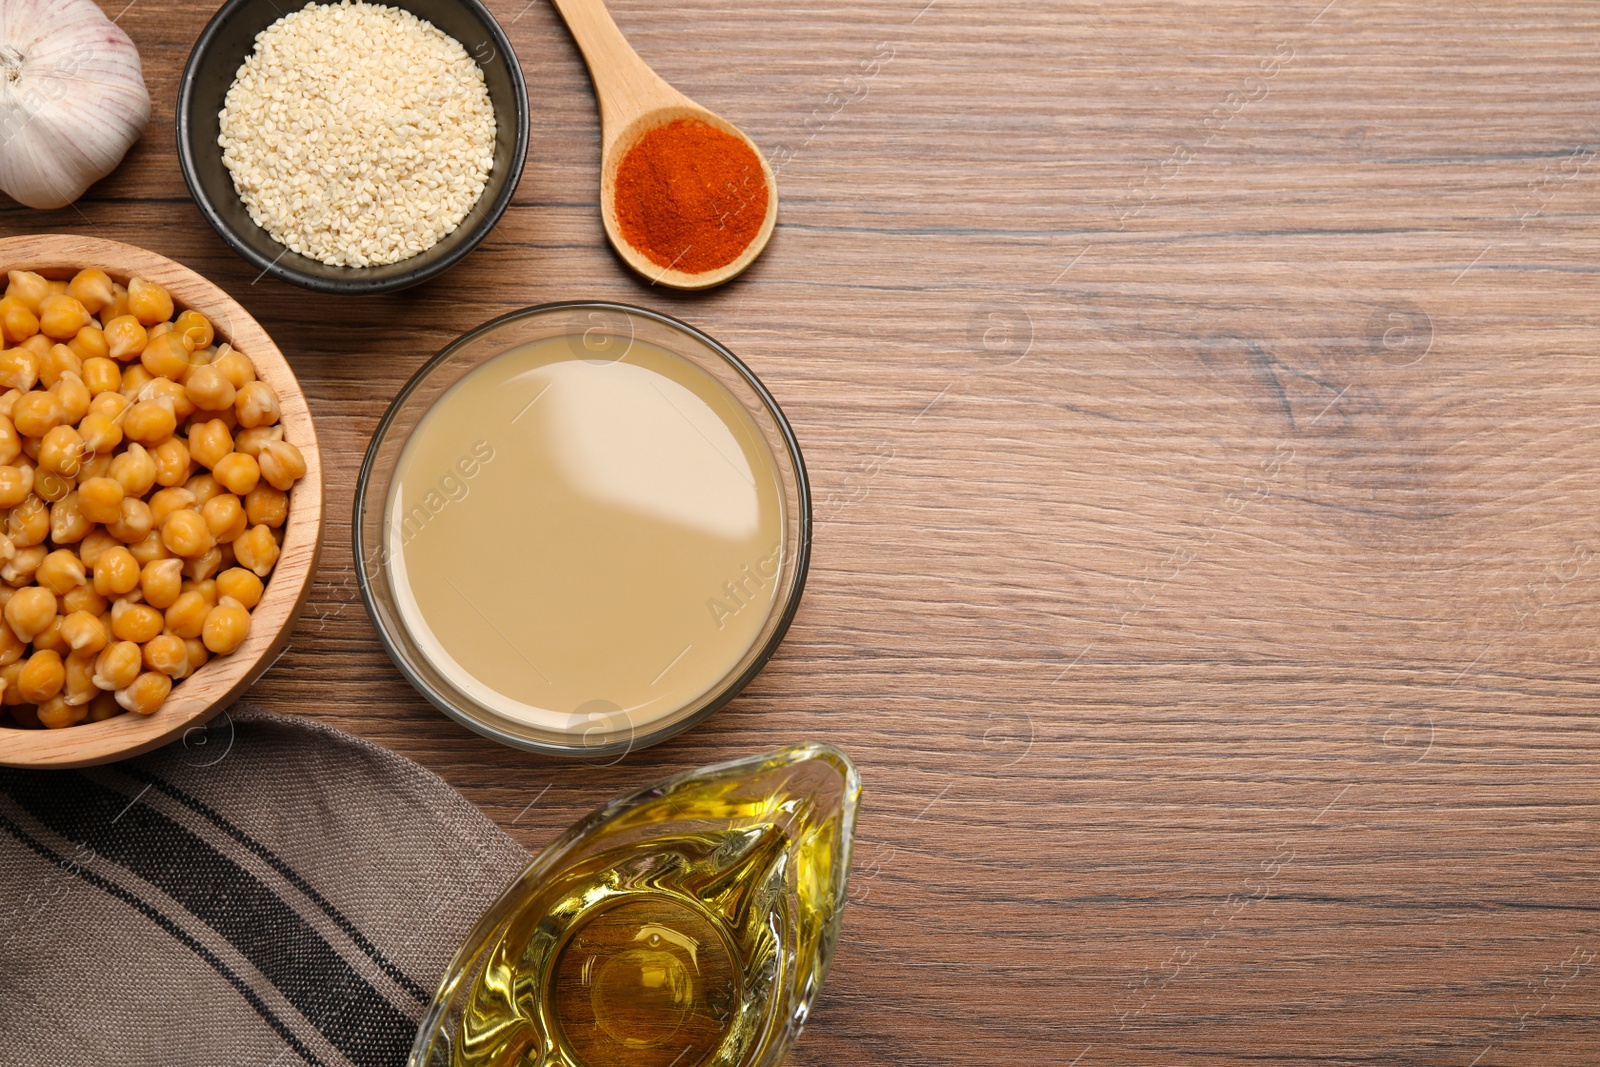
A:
(1200, 403)
(217, 684)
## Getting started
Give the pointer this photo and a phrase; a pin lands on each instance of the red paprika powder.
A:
(690, 196)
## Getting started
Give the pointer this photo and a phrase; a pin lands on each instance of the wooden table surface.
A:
(1200, 404)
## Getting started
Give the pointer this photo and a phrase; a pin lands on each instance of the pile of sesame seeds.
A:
(358, 134)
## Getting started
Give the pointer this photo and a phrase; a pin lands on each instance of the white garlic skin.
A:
(72, 99)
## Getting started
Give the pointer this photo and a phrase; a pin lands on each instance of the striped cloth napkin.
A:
(267, 892)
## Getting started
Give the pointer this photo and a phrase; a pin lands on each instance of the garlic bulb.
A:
(72, 99)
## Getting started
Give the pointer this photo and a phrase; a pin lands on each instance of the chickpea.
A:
(166, 357)
(61, 317)
(79, 688)
(68, 525)
(23, 565)
(16, 485)
(195, 330)
(116, 572)
(206, 588)
(43, 676)
(185, 532)
(111, 405)
(134, 622)
(56, 362)
(39, 345)
(172, 461)
(135, 522)
(117, 665)
(149, 548)
(10, 441)
(29, 611)
(37, 412)
(17, 321)
(198, 653)
(27, 287)
(241, 585)
(236, 367)
(161, 581)
(148, 302)
(104, 706)
(209, 388)
(84, 598)
(119, 302)
(134, 380)
(203, 566)
(226, 626)
(100, 435)
(149, 422)
(237, 473)
(146, 694)
(9, 695)
(166, 389)
(11, 647)
(187, 615)
(28, 523)
(266, 506)
(89, 343)
(73, 394)
(210, 442)
(19, 369)
(56, 713)
(61, 451)
(94, 543)
(125, 338)
(83, 632)
(49, 639)
(50, 486)
(224, 516)
(100, 499)
(282, 464)
(61, 571)
(165, 501)
(256, 550)
(92, 288)
(256, 405)
(203, 487)
(251, 441)
(166, 653)
(100, 375)
(133, 468)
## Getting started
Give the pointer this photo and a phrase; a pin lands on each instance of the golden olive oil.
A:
(690, 927)
(571, 537)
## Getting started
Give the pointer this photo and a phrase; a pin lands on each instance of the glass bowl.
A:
(603, 335)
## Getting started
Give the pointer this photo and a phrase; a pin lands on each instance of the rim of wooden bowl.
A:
(196, 699)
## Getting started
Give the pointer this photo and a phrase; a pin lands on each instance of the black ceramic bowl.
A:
(217, 55)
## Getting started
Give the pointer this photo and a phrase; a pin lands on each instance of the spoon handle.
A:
(623, 83)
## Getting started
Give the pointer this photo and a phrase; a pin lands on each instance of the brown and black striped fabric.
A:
(266, 892)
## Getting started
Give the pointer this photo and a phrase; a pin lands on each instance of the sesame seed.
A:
(358, 134)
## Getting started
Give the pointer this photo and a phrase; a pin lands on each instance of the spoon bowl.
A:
(634, 100)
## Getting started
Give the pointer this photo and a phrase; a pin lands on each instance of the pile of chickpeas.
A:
(144, 482)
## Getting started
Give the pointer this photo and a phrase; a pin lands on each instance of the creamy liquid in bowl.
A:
(582, 544)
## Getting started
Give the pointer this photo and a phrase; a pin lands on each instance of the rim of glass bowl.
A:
(373, 580)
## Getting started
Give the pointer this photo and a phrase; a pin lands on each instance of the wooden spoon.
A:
(633, 101)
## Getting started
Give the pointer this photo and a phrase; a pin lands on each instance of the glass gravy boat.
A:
(686, 924)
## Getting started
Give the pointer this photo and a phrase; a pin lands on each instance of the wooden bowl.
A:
(216, 685)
